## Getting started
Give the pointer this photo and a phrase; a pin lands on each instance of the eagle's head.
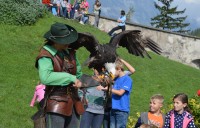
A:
(110, 67)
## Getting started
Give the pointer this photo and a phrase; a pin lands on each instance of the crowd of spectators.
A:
(73, 9)
(69, 9)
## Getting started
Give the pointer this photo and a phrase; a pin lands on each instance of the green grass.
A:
(19, 47)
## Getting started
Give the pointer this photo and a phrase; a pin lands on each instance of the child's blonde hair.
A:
(119, 64)
(159, 97)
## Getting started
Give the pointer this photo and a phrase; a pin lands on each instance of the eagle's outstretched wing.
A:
(133, 41)
(86, 40)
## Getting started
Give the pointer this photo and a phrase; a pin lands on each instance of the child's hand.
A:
(101, 88)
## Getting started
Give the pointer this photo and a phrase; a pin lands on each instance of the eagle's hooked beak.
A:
(110, 67)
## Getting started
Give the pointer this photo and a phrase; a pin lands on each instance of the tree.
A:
(130, 14)
(168, 18)
(195, 32)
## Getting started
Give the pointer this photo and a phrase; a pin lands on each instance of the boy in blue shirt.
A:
(120, 97)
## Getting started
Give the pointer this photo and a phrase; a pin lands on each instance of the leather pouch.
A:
(60, 104)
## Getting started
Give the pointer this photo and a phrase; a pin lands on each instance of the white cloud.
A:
(192, 1)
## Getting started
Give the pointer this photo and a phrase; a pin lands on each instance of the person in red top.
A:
(47, 4)
(46, 1)
(85, 7)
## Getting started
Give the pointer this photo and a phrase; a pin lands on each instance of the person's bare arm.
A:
(118, 92)
(119, 21)
(114, 91)
(130, 67)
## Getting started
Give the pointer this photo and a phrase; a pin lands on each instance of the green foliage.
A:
(194, 105)
(167, 19)
(21, 12)
(131, 122)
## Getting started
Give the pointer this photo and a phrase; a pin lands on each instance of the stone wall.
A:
(178, 47)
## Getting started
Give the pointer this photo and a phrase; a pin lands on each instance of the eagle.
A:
(101, 54)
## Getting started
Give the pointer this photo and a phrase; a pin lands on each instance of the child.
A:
(154, 117)
(130, 70)
(120, 97)
(94, 113)
(179, 117)
(38, 95)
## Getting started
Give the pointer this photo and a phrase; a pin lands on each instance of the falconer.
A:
(60, 70)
